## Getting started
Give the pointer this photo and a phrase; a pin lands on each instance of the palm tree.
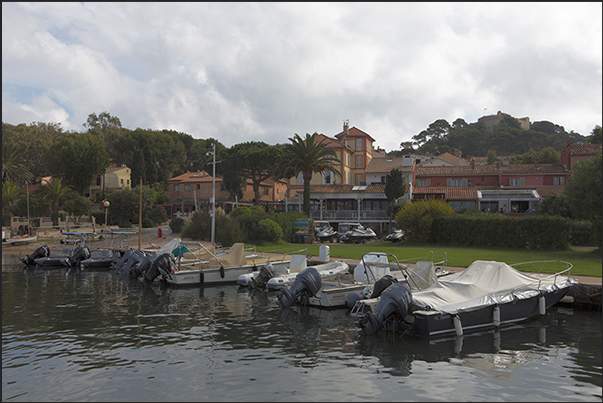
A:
(14, 168)
(308, 156)
(54, 191)
(10, 194)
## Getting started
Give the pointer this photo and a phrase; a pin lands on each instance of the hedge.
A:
(494, 230)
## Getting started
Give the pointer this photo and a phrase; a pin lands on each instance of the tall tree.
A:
(10, 194)
(54, 192)
(253, 160)
(14, 167)
(77, 159)
(308, 156)
(584, 192)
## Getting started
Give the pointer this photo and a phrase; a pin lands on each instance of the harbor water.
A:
(96, 335)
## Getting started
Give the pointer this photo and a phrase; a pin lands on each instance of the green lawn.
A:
(585, 263)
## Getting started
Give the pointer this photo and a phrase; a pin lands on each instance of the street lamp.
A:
(213, 193)
(106, 204)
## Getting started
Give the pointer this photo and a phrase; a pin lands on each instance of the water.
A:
(69, 335)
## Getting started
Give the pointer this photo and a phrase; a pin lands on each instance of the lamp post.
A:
(213, 194)
(106, 204)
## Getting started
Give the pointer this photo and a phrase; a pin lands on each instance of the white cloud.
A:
(264, 71)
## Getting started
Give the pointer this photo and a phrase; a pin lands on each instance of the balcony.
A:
(350, 215)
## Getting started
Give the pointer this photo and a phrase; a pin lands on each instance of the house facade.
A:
(572, 153)
(114, 178)
(193, 190)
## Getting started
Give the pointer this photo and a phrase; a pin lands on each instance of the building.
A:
(114, 178)
(573, 153)
(492, 120)
(193, 190)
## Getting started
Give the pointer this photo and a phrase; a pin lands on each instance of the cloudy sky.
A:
(265, 71)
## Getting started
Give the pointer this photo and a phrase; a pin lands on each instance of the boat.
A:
(486, 294)
(218, 268)
(105, 256)
(396, 236)
(372, 275)
(355, 233)
(326, 270)
(66, 258)
(21, 239)
(326, 234)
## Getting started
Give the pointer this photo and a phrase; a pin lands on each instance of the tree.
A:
(491, 156)
(548, 155)
(308, 156)
(54, 192)
(584, 192)
(10, 194)
(75, 204)
(394, 188)
(253, 160)
(78, 159)
(415, 219)
(106, 127)
(14, 168)
(595, 135)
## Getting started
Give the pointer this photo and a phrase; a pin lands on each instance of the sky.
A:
(240, 72)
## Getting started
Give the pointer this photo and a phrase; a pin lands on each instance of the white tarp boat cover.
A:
(234, 257)
(483, 283)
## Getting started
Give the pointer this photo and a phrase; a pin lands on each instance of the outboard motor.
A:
(395, 300)
(382, 284)
(143, 266)
(132, 258)
(80, 253)
(42, 251)
(378, 288)
(306, 284)
(163, 261)
(265, 274)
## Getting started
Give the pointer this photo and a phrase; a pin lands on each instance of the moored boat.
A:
(486, 294)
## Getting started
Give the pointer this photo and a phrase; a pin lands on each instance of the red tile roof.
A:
(492, 170)
(385, 165)
(585, 149)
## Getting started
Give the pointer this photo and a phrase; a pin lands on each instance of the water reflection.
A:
(95, 335)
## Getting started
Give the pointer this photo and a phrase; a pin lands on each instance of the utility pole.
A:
(213, 195)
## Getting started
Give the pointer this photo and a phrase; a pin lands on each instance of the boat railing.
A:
(566, 273)
(428, 258)
(403, 268)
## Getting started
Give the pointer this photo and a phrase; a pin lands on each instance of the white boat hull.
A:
(326, 270)
(201, 276)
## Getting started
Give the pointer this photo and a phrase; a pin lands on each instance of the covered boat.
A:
(486, 294)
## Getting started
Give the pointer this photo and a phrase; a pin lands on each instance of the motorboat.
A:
(396, 236)
(220, 268)
(373, 273)
(326, 234)
(355, 233)
(43, 257)
(486, 294)
(328, 270)
(101, 258)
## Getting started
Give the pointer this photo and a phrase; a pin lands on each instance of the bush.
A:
(228, 231)
(176, 225)
(157, 215)
(198, 226)
(415, 219)
(269, 230)
(147, 222)
(286, 220)
(582, 233)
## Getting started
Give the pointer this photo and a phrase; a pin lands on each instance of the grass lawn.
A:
(586, 261)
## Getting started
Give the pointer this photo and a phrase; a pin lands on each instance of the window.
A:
(358, 179)
(187, 187)
(358, 144)
(264, 190)
(559, 181)
(198, 186)
(359, 161)
(300, 178)
(327, 178)
(98, 181)
(423, 182)
(383, 179)
(176, 188)
(517, 181)
(456, 182)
